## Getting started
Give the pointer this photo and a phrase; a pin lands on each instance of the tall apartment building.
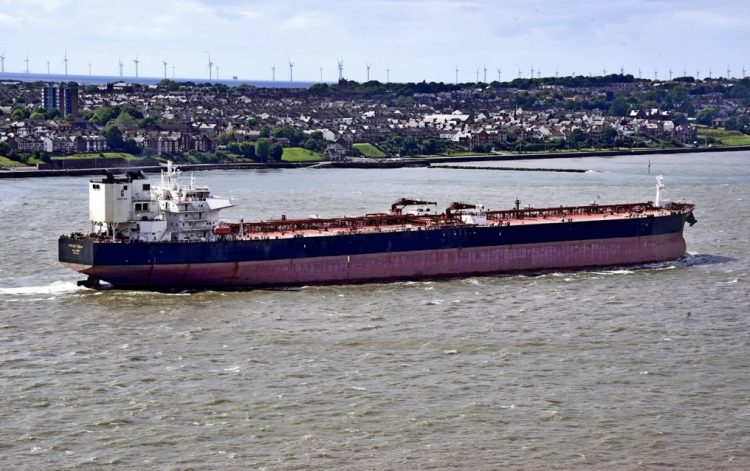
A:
(64, 98)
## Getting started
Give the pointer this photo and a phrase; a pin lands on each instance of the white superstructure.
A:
(131, 208)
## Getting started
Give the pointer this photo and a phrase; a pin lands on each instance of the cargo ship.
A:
(169, 236)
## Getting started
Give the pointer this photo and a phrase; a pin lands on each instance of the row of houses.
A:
(57, 144)
(194, 119)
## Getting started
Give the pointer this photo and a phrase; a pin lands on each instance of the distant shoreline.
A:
(104, 79)
(383, 163)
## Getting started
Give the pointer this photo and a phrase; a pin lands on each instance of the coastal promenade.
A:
(375, 163)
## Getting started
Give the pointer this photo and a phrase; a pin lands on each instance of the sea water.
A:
(624, 367)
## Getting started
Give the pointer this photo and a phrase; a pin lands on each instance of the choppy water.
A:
(623, 368)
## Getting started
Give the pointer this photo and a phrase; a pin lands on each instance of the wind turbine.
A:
(2, 62)
(485, 73)
(27, 62)
(729, 72)
(341, 69)
(89, 69)
(456, 75)
(670, 75)
(368, 70)
(519, 73)
(709, 73)
(640, 74)
(65, 61)
(47, 67)
(604, 72)
(165, 67)
(698, 74)
(477, 75)
(656, 74)
(173, 72)
(119, 62)
(210, 67)
(291, 70)
(744, 72)
(321, 72)
(388, 75)
(136, 61)
(499, 74)
(217, 71)
(622, 70)
(273, 73)
(532, 71)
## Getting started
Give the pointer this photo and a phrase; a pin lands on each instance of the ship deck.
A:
(389, 222)
(386, 222)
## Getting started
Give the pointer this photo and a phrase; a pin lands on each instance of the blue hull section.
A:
(90, 253)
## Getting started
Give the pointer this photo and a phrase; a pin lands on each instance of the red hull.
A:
(401, 265)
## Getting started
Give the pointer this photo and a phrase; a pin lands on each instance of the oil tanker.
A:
(168, 236)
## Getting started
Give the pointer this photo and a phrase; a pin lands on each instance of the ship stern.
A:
(75, 254)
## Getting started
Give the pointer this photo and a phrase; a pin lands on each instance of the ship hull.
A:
(356, 258)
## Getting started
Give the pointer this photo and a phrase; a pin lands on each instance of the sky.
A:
(401, 40)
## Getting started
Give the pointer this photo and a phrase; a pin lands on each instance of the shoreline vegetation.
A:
(365, 163)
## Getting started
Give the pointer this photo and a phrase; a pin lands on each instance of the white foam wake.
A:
(57, 287)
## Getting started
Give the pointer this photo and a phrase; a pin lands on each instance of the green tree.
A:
(146, 122)
(687, 107)
(52, 113)
(36, 116)
(4, 149)
(226, 137)
(577, 137)
(608, 135)
(114, 138)
(738, 123)
(706, 115)
(275, 153)
(293, 134)
(247, 149)
(234, 148)
(125, 120)
(315, 145)
(18, 114)
(131, 147)
(263, 149)
(105, 114)
(619, 107)
(679, 119)
(433, 146)
(740, 90)
(132, 112)
(679, 94)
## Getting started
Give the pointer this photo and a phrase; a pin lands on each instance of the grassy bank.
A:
(6, 162)
(724, 137)
(299, 154)
(368, 150)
